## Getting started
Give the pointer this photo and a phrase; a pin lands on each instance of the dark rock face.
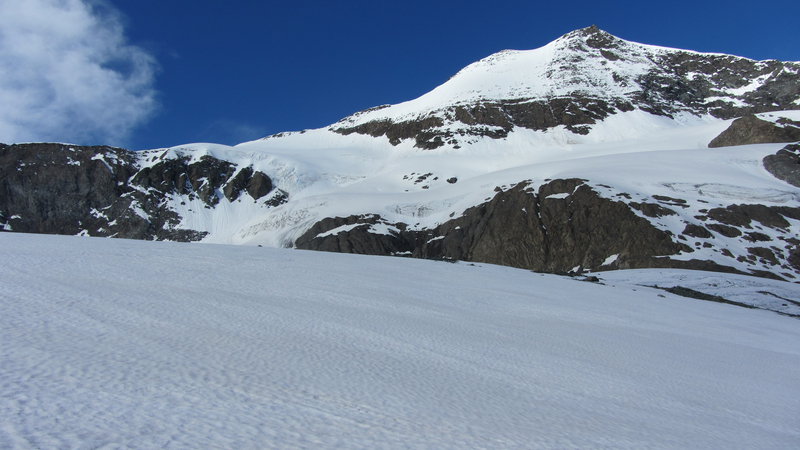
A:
(566, 226)
(755, 236)
(238, 183)
(259, 185)
(652, 209)
(696, 231)
(794, 257)
(725, 230)
(785, 165)
(685, 81)
(752, 130)
(46, 188)
(202, 178)
(743, 215)
(396, 132)
(494, 119)
(103, 191)
(765, 253)
(532, 230)
(534, 114)
(354, 237)
(520, 228)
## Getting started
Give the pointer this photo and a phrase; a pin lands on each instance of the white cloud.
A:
(67, 74)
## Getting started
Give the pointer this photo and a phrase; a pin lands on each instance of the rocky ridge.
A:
(106, 191)
(573, 226)
(751, 129)
(785, 164)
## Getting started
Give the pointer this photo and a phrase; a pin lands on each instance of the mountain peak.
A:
(575, 82)
(593, 37)
(592, 30)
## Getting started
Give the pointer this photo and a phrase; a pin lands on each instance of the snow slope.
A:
(116, 343)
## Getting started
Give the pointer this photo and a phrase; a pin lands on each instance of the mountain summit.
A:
(576, 81)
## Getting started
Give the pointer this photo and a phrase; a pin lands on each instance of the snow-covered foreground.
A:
(143, 344)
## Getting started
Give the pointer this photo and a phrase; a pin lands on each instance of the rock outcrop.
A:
(752, 130)
(785, 164)
(105, 191)
(566, 226)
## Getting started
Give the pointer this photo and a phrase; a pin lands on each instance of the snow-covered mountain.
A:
(589, 153)
(577, 81)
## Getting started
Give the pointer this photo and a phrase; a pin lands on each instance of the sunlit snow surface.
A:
(142, 344)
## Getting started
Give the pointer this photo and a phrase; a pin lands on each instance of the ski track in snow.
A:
(116, 343)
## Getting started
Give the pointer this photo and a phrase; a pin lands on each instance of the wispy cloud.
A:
(67, 73)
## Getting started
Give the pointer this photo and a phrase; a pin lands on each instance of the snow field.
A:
(127, 343)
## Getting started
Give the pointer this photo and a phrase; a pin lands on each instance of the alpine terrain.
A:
(646, 174)
(590, 153)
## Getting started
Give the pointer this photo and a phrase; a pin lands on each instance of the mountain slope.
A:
(249, 347)
(590, 153)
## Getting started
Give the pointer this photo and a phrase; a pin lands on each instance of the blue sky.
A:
(233, 71)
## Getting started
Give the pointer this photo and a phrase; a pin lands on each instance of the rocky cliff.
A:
(568, 226)
(106, 191)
